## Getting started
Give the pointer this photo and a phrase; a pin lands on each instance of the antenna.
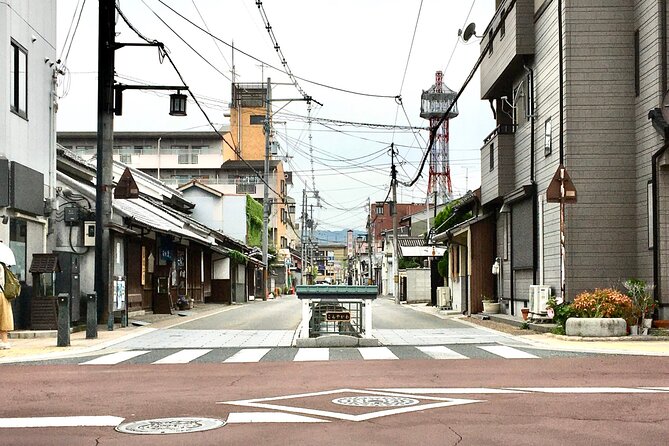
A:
(469, 32)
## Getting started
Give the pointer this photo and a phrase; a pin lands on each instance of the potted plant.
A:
(490, 305)
(644, 305)
(525, 312)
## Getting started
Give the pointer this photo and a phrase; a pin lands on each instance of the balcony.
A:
(497, 168)
(512, 33)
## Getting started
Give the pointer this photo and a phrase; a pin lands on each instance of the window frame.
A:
(548, 137)
(15, 79)
(492, 156)
(637, 64)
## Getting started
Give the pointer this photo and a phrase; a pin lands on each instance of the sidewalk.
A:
(542, 339)
(27, 347)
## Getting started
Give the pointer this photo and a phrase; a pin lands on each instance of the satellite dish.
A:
(469, 31)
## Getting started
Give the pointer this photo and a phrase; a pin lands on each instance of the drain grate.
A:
(159, 426)
(375, 401)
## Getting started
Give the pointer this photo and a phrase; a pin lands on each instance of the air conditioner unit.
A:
(444, 297)
(538, 297)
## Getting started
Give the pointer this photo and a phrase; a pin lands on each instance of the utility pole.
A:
(303, 233)
(393, 212)
(266, 204)
(369, 243)
(104, 175)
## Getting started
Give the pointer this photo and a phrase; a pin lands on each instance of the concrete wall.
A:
(234, 217)
(418, 285)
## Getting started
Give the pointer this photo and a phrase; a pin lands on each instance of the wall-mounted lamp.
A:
(5, 219)
(178, 104)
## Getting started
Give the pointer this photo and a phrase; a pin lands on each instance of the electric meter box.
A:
(89, 233)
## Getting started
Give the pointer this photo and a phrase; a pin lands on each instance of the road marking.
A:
(376, 353)
(586, 390)
(115, 358)
(248, 355)
(183, 356)
(312, 354)
(270, 417)
(440, 352)
(427, 403)
(452, 391)
(73, 421)
(507, 352)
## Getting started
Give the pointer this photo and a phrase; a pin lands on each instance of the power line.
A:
(343, 90)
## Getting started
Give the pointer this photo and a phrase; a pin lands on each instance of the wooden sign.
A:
(555, 192)
(126, 187)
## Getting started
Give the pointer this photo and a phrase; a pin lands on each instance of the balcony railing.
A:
(503, 129)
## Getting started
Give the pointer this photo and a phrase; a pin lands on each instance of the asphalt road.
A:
(475, 402)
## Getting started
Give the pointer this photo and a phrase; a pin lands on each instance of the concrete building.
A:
(572, 84)
(27, 126)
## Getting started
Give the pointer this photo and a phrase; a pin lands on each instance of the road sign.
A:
(555, 193)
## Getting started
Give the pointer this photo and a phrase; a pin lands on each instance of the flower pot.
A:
(634, 330)
(491, 307)
(644, 331)
(526, 313)
(550, 313)
(647, 323)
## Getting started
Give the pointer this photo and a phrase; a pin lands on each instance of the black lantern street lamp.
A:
(178, 104)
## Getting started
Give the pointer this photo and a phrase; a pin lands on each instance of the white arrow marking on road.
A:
(74, 421)
(270, 417)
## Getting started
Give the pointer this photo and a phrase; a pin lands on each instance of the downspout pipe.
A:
(535, 217)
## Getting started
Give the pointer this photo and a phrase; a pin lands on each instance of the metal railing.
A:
(332, 317)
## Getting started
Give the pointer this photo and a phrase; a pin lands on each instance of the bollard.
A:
(63, 320)
(91, 316)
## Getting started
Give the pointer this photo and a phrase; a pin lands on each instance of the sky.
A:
(352, 56)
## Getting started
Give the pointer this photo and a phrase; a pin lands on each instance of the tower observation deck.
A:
(434, 103)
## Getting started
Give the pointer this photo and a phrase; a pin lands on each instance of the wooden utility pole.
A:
(104, 179)
(393, 212)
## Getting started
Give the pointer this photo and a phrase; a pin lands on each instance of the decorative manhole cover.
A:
(160, 426)
(375, 401)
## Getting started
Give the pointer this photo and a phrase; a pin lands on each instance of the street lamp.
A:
(178, 104)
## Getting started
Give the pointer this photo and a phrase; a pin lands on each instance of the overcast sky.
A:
(356, 45)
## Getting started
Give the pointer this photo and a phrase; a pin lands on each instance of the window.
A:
(257, 119)
(284, 216)
(492, 156)
(126, 158)
(379, 209)
(490, 42)
(548, 138)
(187, 156)
(637, 68)
(18, 79)
(283, 187)
(514, 104)
(142, 150)
(502, 25)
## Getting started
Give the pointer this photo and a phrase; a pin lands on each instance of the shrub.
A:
(562, 311)
(604, 302)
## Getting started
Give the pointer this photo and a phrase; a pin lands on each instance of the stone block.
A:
(596, 327)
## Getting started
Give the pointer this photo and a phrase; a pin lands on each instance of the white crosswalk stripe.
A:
(115, 358)
(507, 352)
(183, 356)
(248, 355)
(440, 352)
(376, 353)
(312, 354)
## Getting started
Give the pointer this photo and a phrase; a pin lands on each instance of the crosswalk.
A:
(254, 355)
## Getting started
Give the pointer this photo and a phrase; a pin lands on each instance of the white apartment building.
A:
(27, 126)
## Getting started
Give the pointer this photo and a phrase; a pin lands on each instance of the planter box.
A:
(491, 307)
(599, 327)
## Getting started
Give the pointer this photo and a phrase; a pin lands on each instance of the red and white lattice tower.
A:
(434, 103)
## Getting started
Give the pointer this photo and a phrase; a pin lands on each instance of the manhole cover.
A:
(180, 425)
(375, 401)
